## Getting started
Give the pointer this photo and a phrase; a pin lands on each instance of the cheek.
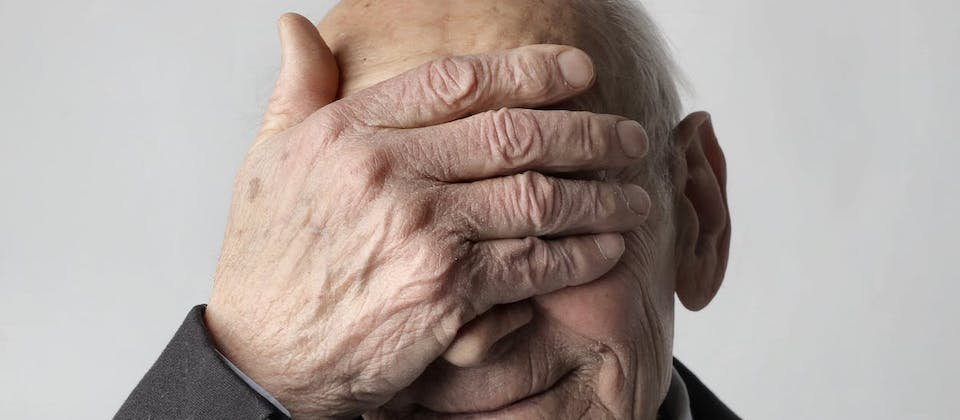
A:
(629, 380)
(605, 310)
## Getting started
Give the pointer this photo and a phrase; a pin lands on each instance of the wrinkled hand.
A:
(365, 232)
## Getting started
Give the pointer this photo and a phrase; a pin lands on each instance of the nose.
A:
(476, 339)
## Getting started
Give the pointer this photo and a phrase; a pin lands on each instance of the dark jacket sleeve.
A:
(191, 381)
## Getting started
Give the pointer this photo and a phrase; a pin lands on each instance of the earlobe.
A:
(702, 215)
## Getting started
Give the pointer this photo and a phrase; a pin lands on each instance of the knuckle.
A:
(417, 212)
(538, 199)
(368, 168)
(593, 136)
(525, 260)
(596, 201)
(536, 262)
(605, 200)
(454, 81)
(279, 110)
(515, 137)
(563, 262)
(532, 75)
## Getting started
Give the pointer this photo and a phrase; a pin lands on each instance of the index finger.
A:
(450, 88)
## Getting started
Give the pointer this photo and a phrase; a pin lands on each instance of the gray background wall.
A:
(122, 124)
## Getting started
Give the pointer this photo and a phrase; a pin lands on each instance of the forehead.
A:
(375, 40)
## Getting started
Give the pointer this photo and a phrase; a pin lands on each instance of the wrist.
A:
(225, 336)
(293, 391)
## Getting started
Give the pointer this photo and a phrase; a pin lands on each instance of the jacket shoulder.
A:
(703, 403)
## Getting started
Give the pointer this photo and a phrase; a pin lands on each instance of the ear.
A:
(309, 76)
(702, 216)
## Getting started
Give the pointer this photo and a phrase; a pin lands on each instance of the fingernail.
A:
(633, 138)
(576, 67)
(638, 200)
(610, 244)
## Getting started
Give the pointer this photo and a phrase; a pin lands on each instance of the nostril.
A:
(476, 339)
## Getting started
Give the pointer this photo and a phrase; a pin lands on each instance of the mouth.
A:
(505, 410)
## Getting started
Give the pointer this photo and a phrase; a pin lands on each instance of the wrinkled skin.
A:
(375, 260)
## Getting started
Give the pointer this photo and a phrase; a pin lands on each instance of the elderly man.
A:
(453, 212)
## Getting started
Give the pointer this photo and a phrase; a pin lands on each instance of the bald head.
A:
(376, 39)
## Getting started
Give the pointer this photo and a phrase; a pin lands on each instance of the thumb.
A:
(309, 76)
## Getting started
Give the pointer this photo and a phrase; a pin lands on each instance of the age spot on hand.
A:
(253, 189)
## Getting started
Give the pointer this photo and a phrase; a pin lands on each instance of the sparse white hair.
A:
(636, 78)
